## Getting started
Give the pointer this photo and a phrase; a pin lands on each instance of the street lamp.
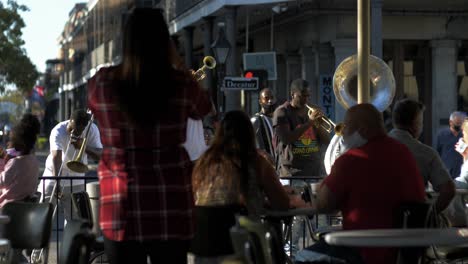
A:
(221, 48)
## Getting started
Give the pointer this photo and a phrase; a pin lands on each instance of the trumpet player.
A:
(299, 138)
(65, 141)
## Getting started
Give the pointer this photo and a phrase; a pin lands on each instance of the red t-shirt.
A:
(370, 183)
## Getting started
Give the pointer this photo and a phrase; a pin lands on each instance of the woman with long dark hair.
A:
(231, 177)
(145, 173)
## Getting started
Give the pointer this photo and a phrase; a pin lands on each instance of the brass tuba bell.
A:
(382, 83)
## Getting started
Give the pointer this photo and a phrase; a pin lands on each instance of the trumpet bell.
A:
(382, 83)
(209, 62)
(77, 166)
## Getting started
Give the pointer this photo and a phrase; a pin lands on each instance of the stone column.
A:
(309, 71)
(444, 83)
(188, 46)
(343, 49)
(232, 68)
(207, 28)
(62, 104)
(376, 28)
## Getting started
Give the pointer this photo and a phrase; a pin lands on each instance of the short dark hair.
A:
(405, 111)
(299, 85)
(80, 117)
(25, 133)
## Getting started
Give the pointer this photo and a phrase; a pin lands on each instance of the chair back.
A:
(265, 238)
(244, 246)
(212, 237)
(82, 203)
(30, 224)
(412, 215)
(77, 242)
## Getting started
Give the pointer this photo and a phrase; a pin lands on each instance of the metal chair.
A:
(412, 215)
(82, 202)
(29, 227)
(266, 243)
(76, 243)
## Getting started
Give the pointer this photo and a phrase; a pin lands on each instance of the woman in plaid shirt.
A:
(144, 172)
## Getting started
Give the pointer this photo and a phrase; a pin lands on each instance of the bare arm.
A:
(446, 194)
(57, 161)
(288, 136)
(326, 201)
(94, 153)
(274, 191)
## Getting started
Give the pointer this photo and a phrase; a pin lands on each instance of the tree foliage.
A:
(15, 66)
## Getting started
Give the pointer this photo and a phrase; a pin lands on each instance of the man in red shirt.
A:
(370, 181)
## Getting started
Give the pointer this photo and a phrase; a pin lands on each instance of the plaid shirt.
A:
(145, 174)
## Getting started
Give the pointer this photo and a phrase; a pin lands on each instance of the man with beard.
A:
(262, 121)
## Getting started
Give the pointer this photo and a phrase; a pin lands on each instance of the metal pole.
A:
(363, 50)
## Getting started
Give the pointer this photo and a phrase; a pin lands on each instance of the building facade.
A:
(426, 46)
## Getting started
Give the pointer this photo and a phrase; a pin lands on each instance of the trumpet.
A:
(326, 123)
(208, 63)
(77, 164)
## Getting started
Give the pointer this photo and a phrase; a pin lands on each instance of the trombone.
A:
(77, 164)
(326, 123)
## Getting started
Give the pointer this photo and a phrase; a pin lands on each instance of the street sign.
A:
(240, 83)
(261, 61)
(327, 97)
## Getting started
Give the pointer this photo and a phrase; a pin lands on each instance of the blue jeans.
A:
(322, 253)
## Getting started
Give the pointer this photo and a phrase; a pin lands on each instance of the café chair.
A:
(30, 226)
(77, 242)
(81, 201)
(412, 215)
(264, 240)
(244, 247)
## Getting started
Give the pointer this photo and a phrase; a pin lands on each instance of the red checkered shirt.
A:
(144, 174)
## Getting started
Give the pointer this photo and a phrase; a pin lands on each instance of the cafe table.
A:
(414, 237)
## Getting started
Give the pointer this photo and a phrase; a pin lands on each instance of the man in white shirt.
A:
(62, 150)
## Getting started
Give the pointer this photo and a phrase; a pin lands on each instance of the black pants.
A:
(159, 251)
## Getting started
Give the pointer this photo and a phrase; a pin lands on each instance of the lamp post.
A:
(221, 48)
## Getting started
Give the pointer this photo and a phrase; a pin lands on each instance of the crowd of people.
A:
(156, 201)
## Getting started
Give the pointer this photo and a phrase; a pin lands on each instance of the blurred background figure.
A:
(462, 148)
(446, 140)
(262, 122)
(146, 202)
(19, 167)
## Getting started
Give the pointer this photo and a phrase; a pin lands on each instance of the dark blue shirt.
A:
(446, 147)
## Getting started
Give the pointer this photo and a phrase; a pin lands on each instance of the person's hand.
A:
(462, 148)
(295, 201)
(76, 142)
(315, 116)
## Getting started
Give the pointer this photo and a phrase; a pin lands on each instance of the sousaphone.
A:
(382, 83)
(381, 92)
